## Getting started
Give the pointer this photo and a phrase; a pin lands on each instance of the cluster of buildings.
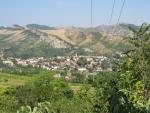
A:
(80, 63)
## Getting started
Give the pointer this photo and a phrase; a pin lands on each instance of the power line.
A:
(112, 12)
(121, 11)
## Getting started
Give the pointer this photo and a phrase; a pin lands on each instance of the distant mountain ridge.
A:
(39, 27)
(35, 40)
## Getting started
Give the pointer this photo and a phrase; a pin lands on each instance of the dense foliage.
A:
(129, 92)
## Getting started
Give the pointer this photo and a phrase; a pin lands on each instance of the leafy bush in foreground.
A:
(130, 91)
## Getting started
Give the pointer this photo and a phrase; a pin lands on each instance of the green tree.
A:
(82, 62)
(44, 88)
(105, 64)
(130, 91)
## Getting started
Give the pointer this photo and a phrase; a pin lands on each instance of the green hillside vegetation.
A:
(19, 90)
(8, 80)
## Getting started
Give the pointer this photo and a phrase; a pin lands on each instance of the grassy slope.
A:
(11, 80)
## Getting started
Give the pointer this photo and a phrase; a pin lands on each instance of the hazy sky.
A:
(71, 12)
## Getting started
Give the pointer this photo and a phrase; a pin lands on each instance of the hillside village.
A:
(80, 63)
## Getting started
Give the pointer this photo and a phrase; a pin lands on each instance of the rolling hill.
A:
(35, 40)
